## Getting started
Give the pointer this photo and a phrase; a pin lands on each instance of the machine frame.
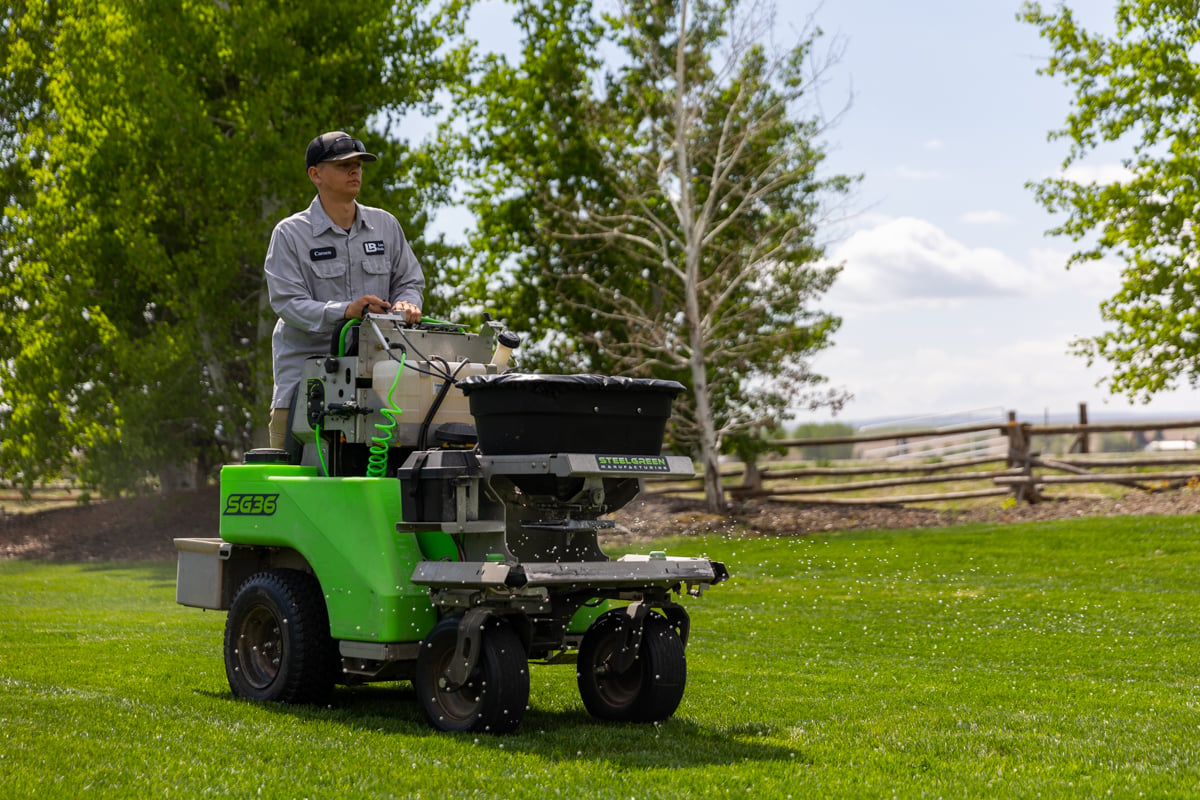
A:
(389, 542)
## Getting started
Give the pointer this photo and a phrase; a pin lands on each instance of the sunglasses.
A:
(341, 146)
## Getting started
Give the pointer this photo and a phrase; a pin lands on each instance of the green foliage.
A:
(528, 137)
(147, 150)
(1049, 660)
(824, 430)
(1117, 443)
(659, 212)
(1137, 90)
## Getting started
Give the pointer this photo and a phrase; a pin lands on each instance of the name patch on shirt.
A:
(373, 248)
(322, 253)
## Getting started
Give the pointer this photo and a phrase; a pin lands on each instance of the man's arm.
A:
(289, 295)
(408, 279)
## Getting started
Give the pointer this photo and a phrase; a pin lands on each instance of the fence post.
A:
(1012, 433)
(1019, 456)
(1082, 442)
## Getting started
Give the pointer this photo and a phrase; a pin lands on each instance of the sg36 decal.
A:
(250, 504)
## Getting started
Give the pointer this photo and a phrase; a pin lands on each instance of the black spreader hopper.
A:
(519, 414)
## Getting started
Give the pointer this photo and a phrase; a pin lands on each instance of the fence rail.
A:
(1015, 469)
(942, 471)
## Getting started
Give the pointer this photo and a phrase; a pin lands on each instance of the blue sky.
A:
(952, 297)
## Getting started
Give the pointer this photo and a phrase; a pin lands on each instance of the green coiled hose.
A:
(381, 441)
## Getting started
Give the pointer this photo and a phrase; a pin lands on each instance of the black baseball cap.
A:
(335, 146)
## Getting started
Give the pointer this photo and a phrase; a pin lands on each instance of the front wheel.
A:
(650, 689)
(277, 642)
(494, 696)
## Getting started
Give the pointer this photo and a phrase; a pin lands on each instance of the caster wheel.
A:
(494, 697)
(650, 689)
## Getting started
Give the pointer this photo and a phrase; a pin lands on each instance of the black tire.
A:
(650, 689)
(493, 699)
(277, 642)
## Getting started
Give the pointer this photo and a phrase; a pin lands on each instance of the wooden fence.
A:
(1017, 469)
(934, 464)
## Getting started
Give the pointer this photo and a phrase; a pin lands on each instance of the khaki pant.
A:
(278, 427)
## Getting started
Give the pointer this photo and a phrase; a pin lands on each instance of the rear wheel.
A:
(650, 689)
(277, 642)
(494, 696)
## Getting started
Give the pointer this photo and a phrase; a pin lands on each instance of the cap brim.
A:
(346, 156)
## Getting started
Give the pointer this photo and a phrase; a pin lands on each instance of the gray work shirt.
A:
(315, 269)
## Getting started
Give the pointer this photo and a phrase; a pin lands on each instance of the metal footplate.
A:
(586, 464)
(628, 572)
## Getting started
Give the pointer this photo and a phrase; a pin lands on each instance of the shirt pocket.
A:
(332, 268)
(377, 274)
(329, 279)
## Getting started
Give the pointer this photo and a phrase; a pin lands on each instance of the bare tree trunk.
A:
(693, 235)
(710, 446)
(175, 478)
(264, 377)
(752, 478)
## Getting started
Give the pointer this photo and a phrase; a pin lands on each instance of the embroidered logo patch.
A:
(322, 253)
(373, 248)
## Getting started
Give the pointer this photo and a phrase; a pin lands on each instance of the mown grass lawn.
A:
(1043, 660)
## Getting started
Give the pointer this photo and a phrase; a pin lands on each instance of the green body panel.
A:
(585, 616)
(437, 546)
(346, 529)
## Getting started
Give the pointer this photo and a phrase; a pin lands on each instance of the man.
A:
(334, 261)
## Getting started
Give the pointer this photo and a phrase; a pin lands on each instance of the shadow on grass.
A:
(673, 743)
(147, 570)
(159, 573)
(560, 735)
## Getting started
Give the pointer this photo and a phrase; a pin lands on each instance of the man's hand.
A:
(412, 313)
(367, 304)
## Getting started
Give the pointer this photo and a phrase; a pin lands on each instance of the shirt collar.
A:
(321, 221)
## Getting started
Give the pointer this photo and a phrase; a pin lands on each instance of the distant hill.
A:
(1095, 417)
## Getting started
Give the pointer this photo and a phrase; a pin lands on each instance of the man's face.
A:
(342, 179)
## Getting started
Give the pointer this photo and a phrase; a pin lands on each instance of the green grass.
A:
(1048, 660)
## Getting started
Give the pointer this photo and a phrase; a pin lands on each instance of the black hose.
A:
(450, 378)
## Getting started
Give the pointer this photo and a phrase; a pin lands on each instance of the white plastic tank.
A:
(418, 387)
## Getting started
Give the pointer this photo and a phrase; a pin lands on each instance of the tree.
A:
(1135, 89)
(662, 216)
(148, 149)
(825, 430)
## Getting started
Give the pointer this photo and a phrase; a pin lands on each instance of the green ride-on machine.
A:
(434, 519)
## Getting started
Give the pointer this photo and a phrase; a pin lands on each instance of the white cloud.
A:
(908, 348)
(909, 259)
(934, 144)
(1032, 375)
(986, 218)
(1097, 173)
(912, 262)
